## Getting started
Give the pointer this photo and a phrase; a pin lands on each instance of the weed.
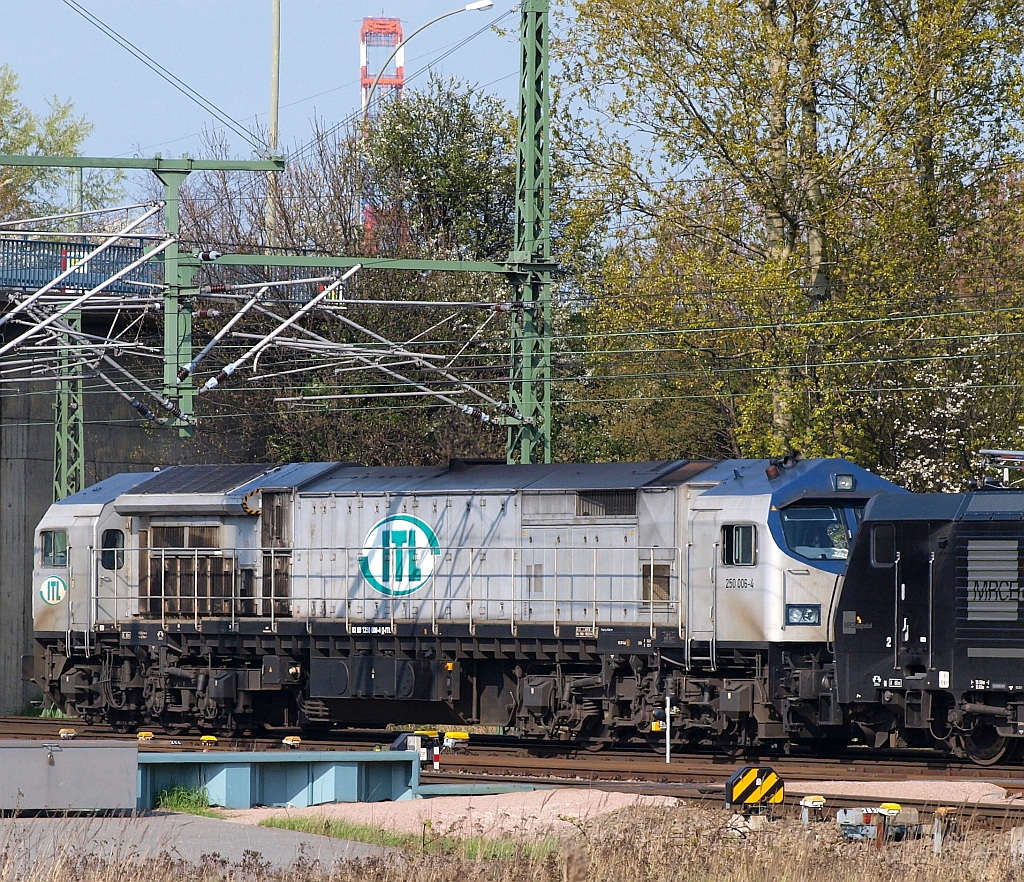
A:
(188, 800)
(471, 848)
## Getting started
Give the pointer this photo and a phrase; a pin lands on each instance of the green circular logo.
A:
(398, 555)
(53, 590)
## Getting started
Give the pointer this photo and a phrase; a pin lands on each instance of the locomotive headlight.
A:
(803, 615)
(845, 482)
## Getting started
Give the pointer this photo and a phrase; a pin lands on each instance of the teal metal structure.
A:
(529, 438)
(69, 427)
(241, 780)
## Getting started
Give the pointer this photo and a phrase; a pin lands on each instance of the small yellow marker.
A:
(67, 734)
(145, 736)
(292, 741)
(209, 740)
(455, 740)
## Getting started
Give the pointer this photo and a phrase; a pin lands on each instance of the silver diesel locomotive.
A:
(570, 601)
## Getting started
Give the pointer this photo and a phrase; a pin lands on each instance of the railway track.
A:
(508, 756)
(496, 759)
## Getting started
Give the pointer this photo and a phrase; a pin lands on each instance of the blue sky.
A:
(222, 49)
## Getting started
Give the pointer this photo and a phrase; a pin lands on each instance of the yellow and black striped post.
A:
(753, 786)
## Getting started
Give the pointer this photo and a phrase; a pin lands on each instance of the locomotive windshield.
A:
(820, 532)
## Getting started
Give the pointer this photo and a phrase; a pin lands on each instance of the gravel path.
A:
(533, 813)
(944, 792)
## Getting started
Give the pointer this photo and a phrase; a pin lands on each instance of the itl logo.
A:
(52, 590)
(398, 555)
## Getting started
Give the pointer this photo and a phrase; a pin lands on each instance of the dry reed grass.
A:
(684, 844)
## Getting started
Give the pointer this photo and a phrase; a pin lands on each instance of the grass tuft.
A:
(52, 712)
(187, 800)
(428, 842)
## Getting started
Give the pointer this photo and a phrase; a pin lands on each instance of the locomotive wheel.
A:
(656, 741)
(124, 725)
(222, 727)
(984, 746)
(596, 738)
(174, 726)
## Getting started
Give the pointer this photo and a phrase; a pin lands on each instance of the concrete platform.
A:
(31, 843)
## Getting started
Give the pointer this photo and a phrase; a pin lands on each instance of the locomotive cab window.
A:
(112, 555)
(883, 545)
(739, 545)
(54, 547)
(816, 532)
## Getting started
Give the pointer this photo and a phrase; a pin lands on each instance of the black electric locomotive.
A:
(929, 637)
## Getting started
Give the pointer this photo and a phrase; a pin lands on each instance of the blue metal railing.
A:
(31, 263)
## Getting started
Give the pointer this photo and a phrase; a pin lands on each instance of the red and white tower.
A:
(378, 39)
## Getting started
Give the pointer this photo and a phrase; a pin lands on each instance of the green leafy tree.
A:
(25, 192)
(440, 163)
(431, 177)
(795, 200)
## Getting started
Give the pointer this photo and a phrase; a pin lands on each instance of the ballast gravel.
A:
(558, 812)
(953, 793)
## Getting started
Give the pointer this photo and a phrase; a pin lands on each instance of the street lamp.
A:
(478, 6)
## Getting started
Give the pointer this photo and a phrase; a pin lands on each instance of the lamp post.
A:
(478, 6)
(270, 209)
(275, 73)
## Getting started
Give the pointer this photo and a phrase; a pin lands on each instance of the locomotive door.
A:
(912, 599)
(702, 587)
(112, 592)
(276, 539)
(52, 598)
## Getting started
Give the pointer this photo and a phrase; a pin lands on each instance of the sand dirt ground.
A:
(562, 812)
(532, 813)
(955, 793)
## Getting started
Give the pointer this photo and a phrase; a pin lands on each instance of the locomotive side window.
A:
(112, 555)
(739, 545)
(816, 532)
(883, 545)
(54, 547)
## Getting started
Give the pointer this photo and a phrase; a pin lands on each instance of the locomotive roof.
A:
(203, 478)
(222, 487)
(211, 489)
(991, 505)
(476, 476)
(106, 490)
(804, 481)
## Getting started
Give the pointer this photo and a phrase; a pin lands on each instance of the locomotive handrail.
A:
(336, 590)
(472, 624)
(931, 606)
(652, 591)
(896, 613)
(554, 599)
(689, 607)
